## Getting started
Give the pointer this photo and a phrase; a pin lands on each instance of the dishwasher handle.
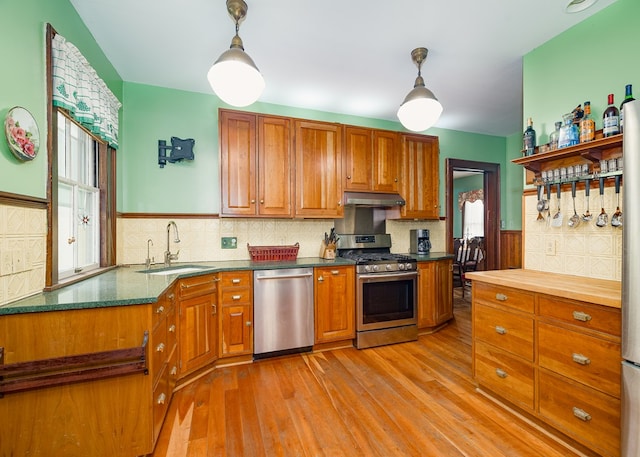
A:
(302, 275)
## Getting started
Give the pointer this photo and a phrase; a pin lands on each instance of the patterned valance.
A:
(470, 196)
(78, 88)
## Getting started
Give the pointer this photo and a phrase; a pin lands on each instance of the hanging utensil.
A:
(616, 219)
(603, 217)
(547, 203)
(557, 218)
(587, 216)
(574, 220)
(540, 205)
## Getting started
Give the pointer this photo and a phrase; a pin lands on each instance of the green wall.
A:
(594, 58)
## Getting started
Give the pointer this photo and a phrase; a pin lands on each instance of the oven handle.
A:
(394, 275)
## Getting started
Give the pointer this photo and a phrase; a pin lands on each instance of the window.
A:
(473, 219)
(78, 200)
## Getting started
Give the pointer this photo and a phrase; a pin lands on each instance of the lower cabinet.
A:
(556, 358)
(334, 303)
(236, 313)
(198, 322)
(435, 293)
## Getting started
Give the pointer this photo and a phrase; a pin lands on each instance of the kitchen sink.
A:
(176, 270)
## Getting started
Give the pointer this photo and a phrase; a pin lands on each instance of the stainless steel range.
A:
(385, 291)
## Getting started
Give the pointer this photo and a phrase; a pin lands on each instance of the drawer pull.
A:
(174, 370)
(171, 297)
(581, 414)
(248, 323)
(501, 330)
(501, 297)
(580, 316)
(335, 272)
(160, 347)
(320, 279)
(501, 373)
(214, 309)
(236, 297)
(235, 281)
(172, 328)
(580, 359)
(160, 309)
(161, 399)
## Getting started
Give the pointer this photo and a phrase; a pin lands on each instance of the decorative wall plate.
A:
(22, 133)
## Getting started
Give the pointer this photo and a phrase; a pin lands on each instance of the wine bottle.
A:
(627, 98)
(529, 139)
(587, 125)
(610, 119)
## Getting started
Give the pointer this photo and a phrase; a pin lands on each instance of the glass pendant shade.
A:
(420, 109)
(235, 78)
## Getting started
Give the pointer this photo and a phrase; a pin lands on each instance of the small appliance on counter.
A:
(419, 242)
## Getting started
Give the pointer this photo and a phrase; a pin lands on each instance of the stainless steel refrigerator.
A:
(631, 283)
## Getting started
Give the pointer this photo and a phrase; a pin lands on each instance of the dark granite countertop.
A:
(131, 285)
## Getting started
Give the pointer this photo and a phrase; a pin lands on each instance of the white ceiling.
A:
(351, 57)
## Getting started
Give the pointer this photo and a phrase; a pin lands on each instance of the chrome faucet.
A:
(168, 257)
(149, 259)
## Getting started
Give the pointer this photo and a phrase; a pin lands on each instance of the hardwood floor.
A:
(411, 399)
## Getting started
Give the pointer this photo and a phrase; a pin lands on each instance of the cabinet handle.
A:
(261, 202)
(501, 297)
(174, 370)
(395, 180)
(580, 359)
(339, 202)
(348, 176)
(320, 279)
(248, 323)
(172, 328)
(335, 272)
(171, 297)
(581, 414)
(235, 281)
(160, 309)
(214, 309)
(252, 201)
(161, 399)
(581, 316)
(501, 330)
(236, 297)
(160, 347)
(188, 286)
(501, 373)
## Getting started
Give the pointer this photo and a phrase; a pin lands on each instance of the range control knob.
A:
(367, 268)
(401, 266)
(388, 267)
(409, 266)
(376, 268)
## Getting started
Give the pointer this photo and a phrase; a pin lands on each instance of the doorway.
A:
(491, 188)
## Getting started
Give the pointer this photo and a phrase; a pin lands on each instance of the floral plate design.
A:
(22, 133)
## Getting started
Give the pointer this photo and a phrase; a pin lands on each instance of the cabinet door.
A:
(419, 172)
(435, 293)
(274, 167)
(237, 163)
(318, 169)
(237, 330)
(385, 161)
(358, 167)
(334, 294)
(198, 332)
(444, 290)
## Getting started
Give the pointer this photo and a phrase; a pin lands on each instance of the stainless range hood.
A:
(372, 200)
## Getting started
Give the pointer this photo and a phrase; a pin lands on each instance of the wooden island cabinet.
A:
(551, 346)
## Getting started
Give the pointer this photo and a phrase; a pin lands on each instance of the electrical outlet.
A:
(550, 247)
(229, 242)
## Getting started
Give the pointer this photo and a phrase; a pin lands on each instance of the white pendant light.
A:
(234, 77)
(420, 108)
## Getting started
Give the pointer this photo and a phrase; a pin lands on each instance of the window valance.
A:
(78, 88)
(470, 196)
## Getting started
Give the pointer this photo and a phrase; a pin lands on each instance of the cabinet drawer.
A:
(236, 279)
(584, 358)
(600, 318)
(158, 349)
(172, 369)
(508, 331)
(197, 286)
(509, 376)
(589, 416)
(236, 297)
(161, 398)
(160, 309)
(172, 329)
(504, 296)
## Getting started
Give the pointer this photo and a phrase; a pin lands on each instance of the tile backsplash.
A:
(584, 250)
(200, 239)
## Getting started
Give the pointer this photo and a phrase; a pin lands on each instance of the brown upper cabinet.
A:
(318, 156)
(255, 165)
(371, 160)
(419, 176)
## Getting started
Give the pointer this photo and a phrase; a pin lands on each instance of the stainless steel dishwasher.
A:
(283, 311)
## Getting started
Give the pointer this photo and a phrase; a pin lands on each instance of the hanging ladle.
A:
(540, 205)
(616, 219)
(602, 218)
(587, 216)
(574, 220)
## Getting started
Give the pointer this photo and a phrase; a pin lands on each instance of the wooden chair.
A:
(468, 255)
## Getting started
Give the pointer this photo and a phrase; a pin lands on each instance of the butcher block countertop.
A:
(599, 291)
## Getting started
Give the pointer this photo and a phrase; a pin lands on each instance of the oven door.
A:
(386, 300)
